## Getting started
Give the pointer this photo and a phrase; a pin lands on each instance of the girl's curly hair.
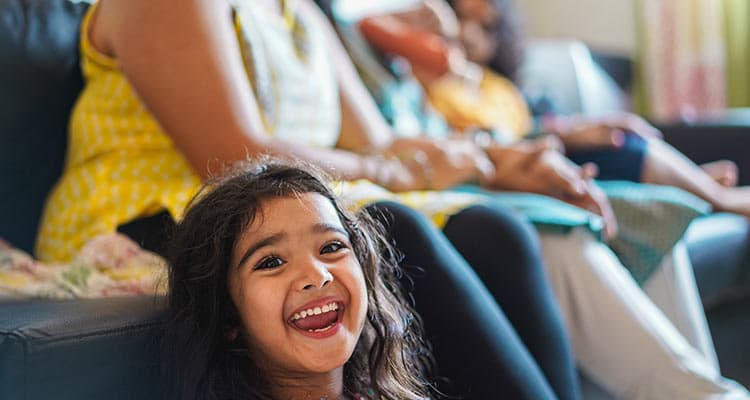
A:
(391, 360)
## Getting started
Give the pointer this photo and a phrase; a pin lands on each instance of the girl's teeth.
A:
(316, 311)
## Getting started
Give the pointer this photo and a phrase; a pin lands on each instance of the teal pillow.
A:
(651, 220)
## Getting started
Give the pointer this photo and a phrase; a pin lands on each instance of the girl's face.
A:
(298, 287)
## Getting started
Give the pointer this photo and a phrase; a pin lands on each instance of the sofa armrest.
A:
(81, 349)
(713, 140)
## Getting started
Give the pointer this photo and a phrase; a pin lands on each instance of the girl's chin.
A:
(323, 365)
(327, 355)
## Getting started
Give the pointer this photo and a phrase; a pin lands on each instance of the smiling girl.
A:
(277, 292)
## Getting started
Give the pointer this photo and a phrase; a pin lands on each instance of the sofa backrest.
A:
(39, 81)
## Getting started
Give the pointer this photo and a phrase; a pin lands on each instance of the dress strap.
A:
(90, 52)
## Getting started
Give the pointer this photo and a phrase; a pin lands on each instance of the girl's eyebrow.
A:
(324, 228)
(278, 237)
(271, 240)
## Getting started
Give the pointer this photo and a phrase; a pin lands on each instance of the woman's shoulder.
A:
(114, 20)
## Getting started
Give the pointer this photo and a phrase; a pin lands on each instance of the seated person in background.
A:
(210, 83)
(277, 292)
(443, 49)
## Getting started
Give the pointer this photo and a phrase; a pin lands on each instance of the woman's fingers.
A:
(441, 164)
(563, 177)
(589, 171)
(605, 210)
(595, 201)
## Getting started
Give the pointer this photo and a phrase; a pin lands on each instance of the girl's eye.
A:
(269, 262)
(332, 247)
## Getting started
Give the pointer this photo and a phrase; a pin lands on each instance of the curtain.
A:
(681, 58)
(737, 31)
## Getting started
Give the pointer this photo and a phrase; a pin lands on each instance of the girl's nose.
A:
(315, 275)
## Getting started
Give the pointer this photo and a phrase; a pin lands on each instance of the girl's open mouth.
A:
(318, 321)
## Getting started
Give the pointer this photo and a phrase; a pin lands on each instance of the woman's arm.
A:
(425, 49)
(183, 60)
(437, 164)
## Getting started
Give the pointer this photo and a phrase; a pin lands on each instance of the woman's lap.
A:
(505, 253)
(475, 345)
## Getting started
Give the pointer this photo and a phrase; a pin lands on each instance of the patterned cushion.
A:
(651, 220)
(109, 265)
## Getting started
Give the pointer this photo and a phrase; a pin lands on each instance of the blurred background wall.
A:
(607, 26)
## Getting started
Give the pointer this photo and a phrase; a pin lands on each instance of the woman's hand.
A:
(419, 163)
(580, 133)
(545, 171)
(595, 200)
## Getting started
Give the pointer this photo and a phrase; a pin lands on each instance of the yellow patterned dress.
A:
(122, 166)
(119, 165)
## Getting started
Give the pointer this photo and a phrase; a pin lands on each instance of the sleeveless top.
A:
(121, 165)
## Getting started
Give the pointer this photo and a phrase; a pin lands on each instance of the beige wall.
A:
(606, 25)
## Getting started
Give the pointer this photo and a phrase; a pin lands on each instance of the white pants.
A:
(621, 339)
(672, 288)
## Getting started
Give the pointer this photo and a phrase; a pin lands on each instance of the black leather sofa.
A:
(73, 349)
(108, 349)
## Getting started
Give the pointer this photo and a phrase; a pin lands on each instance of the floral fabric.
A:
(107, 266)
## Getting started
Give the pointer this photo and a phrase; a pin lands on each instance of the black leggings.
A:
(495, 328)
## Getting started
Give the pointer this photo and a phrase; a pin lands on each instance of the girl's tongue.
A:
(313, 322)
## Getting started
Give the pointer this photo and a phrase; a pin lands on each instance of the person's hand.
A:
(536, 169)
(546, 142)
(582, 133)
(545, 171)
(418, 163)
(595, 200)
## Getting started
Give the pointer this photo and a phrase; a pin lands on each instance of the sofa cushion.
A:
(718, 248)
(80, 349)
(40, 79)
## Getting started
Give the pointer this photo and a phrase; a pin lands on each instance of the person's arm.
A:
(184, 61)
(422, 48)
(439, 163)
(584, 133)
